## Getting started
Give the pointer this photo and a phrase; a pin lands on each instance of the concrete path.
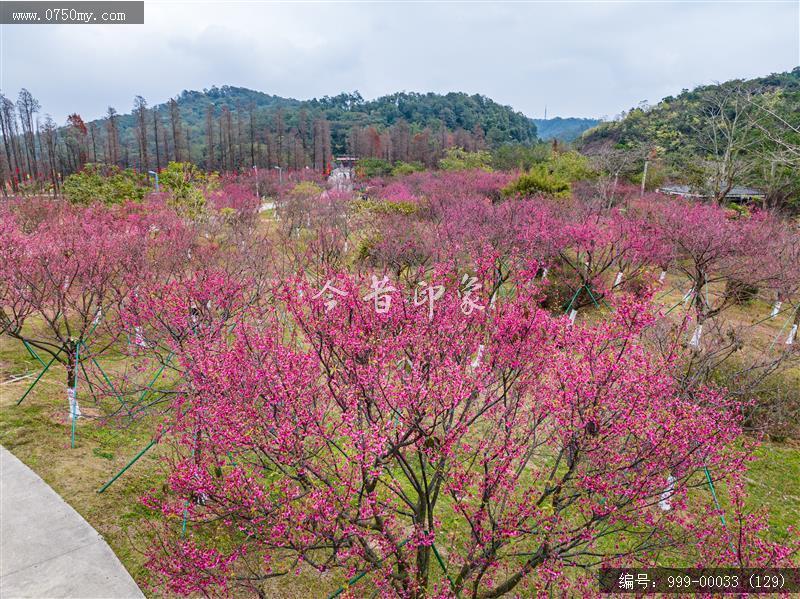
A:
(47, 550)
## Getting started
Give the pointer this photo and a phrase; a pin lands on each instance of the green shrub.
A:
(384, 207)
(306, 190)
(106, 184)
(185, 184)
(740, 292)
(539, 180)
(373, 167)
(552, 177)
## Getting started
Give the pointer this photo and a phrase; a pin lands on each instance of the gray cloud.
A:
(579, 59)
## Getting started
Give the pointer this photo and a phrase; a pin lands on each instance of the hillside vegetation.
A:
(740, 132)
(389, 126)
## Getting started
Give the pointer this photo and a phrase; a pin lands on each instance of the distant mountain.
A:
(563, 129)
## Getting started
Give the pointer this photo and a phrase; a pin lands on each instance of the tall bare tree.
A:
(27, 106)
(112, 137)
(140, 116)
(49, 135)
(8, 128)
(156, 119)
(175, 122)
(210, 162)
(723, 134)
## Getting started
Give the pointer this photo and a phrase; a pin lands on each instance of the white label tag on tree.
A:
(618, 280)
(792, 335)
(138, 337)
(572, 316)
(695, 342)
(97, 317)
(477, 359)
(662, 277)
(689, 295)
(74, 408)
(775, 309)
(665, 504)
(544, 273)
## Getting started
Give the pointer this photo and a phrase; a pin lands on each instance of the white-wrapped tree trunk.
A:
(792, 335)
(663, 276)
(618, 280)
(572, 315)
(72, 399)
(775, 309)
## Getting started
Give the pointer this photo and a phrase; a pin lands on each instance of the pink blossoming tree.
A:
(436, 447)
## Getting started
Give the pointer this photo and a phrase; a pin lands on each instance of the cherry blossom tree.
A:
(432, 446)
(69, 272)
(599, 245)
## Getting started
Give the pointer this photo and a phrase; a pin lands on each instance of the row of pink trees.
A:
(428, 217)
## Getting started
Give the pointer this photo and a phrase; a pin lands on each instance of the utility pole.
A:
(255, 168)
(644, 176)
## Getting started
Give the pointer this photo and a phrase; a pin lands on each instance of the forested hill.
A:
(715, 137)
(677, 123)
(563, 129)
(240, 122)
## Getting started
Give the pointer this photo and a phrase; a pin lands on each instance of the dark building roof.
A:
(737, 191)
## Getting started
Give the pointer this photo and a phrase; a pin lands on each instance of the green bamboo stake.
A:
(105, 377)
(94, 326)
(128, 465)
(350, 583)
(75, 399)
(718, 505)
(597, 305)
(32, 353)
(770, 317)
(673, 307)
(572, 301)
(186, 505)
(714, 495)
(155, 378)
(444, 568)
(185, 516)
(41, 374)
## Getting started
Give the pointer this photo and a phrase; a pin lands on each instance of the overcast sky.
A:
(577, 58)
